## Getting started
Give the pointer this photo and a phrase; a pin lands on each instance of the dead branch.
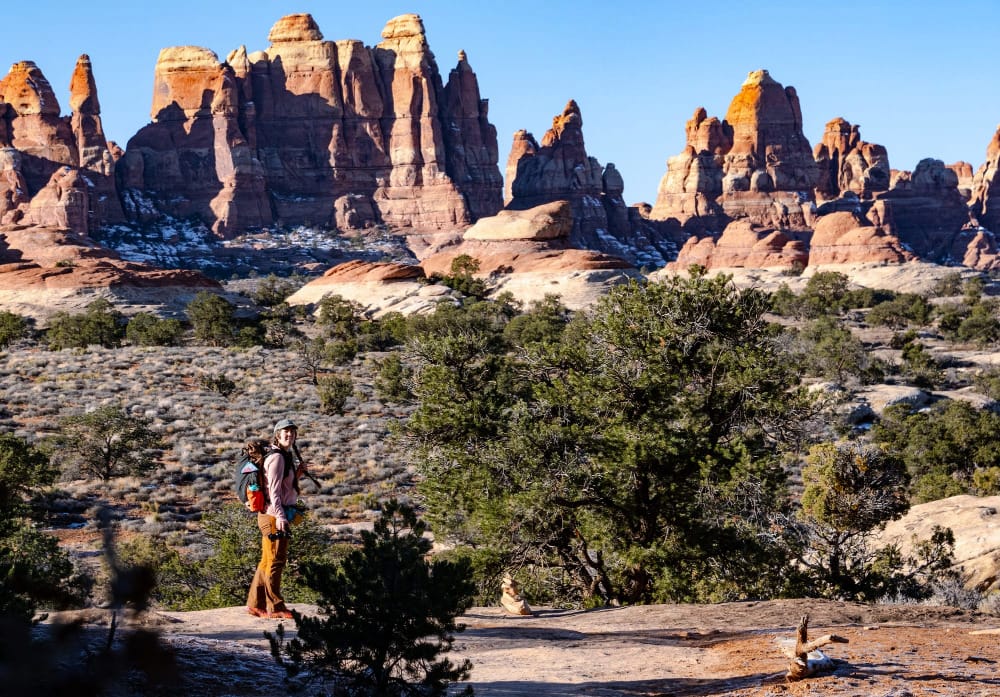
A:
(808, 660)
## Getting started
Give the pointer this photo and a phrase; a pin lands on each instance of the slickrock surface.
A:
(44, 270)
(731, 649)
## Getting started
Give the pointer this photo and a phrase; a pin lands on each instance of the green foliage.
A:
(213, 319)
(906, 309)
(948, 285)
(387, 614)
(338, 318)
(980, 326)
(333, 392)
(828, 350)
(987, 382)
(391, 382)
(543, 323)
(850, 492)
(919, 366)
(591, 452)
(221, 579)
(146, 329)
(33, 569)
(217, 383)
(462, 277)
(99, 324)
(105, 443)
(824, 294)
(986, 481)
(272, 290)
(942, 447)
(12, 328)
(278, 326)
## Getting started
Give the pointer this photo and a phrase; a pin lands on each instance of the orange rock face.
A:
(320, 132)
(849, 164)
(754, 164)
(843, 237)
(742, 245)
(57, 171)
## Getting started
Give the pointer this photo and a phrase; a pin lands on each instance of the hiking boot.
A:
(256, 612)
(280, 615)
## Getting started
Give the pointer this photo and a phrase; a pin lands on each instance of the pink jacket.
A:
(280, 490)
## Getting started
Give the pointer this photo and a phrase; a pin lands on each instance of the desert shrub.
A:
(382, 333)
(828, 350)
(387, 615)
(12, 328)
(919, 367)
(146, 329)
(338, 318)
(34, 570)
(99, 324)
(333, 391)
(213, 319)
(942, 446)
(902, 311)
(392, 379)
(850, 492)
(462, 277)
(272, 290)
(986, 481)
(987, 382)
(544, 322)
(105, 443)
(980, 326)
(948, 285)
(222, 577)
(220, 383)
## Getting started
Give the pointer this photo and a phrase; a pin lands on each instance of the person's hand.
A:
(301, 471)
(282, 525)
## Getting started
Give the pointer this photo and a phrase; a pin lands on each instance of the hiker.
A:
(282, 480)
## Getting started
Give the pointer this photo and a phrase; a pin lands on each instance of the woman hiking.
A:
(282, 480)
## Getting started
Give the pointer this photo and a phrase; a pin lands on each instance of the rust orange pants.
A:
(265, 589)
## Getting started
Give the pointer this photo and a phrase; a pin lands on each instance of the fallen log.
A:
(807, 659)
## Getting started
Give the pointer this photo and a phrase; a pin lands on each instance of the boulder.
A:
(846, 238)
(549, 221)
(378, 287)
(975, 522)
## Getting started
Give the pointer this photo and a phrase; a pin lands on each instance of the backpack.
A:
(251, 488)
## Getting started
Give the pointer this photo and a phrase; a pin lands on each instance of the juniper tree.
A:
(622, 451)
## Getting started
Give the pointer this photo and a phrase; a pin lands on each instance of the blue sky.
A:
(920, 77)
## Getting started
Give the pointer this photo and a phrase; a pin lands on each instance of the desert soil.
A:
(660, 650)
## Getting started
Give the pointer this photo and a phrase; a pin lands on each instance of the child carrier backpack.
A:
(251, 488)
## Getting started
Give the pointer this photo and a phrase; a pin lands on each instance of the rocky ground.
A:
(725, 649)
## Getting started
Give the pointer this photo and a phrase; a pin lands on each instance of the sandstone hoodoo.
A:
(317, 132)
(559, 169)
(54, 171)
(756, 167)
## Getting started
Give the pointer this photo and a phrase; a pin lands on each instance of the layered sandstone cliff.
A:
(316, 132)
(985, 188)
